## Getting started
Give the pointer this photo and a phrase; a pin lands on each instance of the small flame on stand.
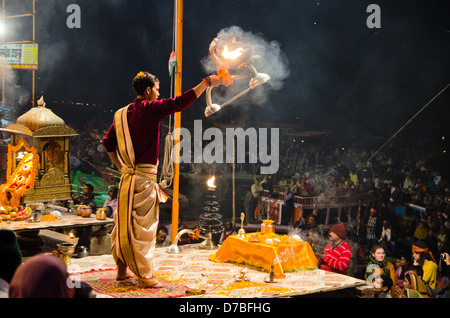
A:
(232, 54)
(210, 182)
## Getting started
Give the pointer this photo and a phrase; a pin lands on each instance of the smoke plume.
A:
(271, 61)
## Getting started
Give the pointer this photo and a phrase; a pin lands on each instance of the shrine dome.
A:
(39, 117)
(40, 121)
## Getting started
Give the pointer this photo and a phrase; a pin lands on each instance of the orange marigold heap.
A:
(21, 181)
(49, 218)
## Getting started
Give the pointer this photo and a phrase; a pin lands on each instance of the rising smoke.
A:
(271, 61)
(14, 96)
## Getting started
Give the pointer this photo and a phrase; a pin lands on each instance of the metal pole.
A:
(3, 68)
(177, 123)
(234, 182)
(33, 88)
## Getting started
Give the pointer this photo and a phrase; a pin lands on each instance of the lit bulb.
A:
(2, 28)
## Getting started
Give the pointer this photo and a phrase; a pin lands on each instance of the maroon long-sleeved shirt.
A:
(144, 119)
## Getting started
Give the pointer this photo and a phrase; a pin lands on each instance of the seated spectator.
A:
(311, 223)
(227, 231)
(87, 198)
(383, 287)
(161, 237)
(444, 290)
(42, 276)
(402, 264)
(423, 257)
(337, 254)
(84, 290)
(378, 265)
(11, 259)
(315, 239)
(421, 231)
(267, 184)
(111, 202)
(413, 287)
(300, 223)
(304, 188)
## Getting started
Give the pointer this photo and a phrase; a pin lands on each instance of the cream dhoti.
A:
(136, 221)
(134, 236)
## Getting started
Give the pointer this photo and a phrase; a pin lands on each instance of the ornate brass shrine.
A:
(48, 135)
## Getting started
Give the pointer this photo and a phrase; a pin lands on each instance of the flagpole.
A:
(177, 123)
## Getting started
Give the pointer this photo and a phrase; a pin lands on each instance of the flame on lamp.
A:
(232, 54)
(210, 182)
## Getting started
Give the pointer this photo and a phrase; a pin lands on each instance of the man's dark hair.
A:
(90, 186)
(83, 291)
(162, 228)
(142, 81)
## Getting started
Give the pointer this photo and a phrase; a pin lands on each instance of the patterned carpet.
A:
(104, 282)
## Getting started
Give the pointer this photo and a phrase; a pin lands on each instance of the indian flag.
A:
(172, 62)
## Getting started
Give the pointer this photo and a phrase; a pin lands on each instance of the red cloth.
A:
(337, 258)
(144, 119)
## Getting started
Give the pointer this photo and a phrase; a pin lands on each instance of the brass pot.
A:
(86, 211)
(78, 210)
(101, 214)
(66, 250)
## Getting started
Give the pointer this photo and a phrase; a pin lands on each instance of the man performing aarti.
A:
(132, 143)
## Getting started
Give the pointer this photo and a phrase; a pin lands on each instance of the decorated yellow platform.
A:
(263, 251)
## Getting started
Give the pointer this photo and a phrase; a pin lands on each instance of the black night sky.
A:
(343, 76)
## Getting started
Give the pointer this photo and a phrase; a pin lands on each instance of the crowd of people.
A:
(402, 250)
(404, 255)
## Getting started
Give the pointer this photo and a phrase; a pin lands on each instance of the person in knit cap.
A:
(11, 259)
(337, 254)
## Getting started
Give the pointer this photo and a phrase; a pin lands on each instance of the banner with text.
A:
(19, 56)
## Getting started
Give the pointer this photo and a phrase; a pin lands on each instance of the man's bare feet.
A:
(123, 272)
(148, 282)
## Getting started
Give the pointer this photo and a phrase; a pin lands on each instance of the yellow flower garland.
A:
(22, 179)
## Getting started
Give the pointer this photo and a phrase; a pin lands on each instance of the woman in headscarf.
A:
(423, 257)
(378, 265)
(42, 276)
(413, 287)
